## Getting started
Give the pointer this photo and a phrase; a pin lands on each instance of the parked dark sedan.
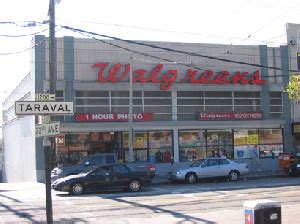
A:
(107, 177)
(294, 169)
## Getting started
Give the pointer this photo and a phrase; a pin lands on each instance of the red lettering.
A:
(237, 77)
(102, 67)
(169, 77)
(140, 76)
(206, 76)
(221, 78)
(154, 73)
(168, 81)
(255, 80)
(115, 70)
(190, 76)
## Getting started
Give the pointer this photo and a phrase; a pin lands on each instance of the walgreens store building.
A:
(190, 106)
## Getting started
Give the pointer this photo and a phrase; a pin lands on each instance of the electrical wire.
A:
(173, 50)
(24, 35)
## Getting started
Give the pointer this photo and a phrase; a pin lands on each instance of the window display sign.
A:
(267, 150)
(243, 151)
(230, 116)
(252, 139)
(270, 136)
(103, 117)
(296, 128)
(140, 140)
(219, 137)
(192, 138)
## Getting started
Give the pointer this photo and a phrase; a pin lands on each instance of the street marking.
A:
(68, 202)
(188, 195)
(87, 214)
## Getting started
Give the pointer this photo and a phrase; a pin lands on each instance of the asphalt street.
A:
(204, 202)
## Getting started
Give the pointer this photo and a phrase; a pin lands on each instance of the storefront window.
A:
(219, 143)
(140, 146)
(160, 146)
(270, 136)
(219, 137)
(71, 148)
(246, 137)
(192, 145)
(245, 151)
(267, 150)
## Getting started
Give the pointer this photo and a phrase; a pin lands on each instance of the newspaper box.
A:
(285, 158)
(262, 211)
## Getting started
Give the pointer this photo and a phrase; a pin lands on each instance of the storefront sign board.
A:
(43, 107)
(44, 130)
(103, 117)
(230, 116)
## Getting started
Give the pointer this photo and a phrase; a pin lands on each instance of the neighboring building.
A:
(1, 159)
(180, 112)
(293, 40)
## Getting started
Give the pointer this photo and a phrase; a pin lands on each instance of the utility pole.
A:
(130, 118)
(52, 90)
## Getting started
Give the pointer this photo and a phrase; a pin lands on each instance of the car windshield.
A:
(197, 163)
(82, 161)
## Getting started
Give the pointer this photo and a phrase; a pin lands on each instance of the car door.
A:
(121, 175)
(101, 178)
(209, 168)
(224, 167)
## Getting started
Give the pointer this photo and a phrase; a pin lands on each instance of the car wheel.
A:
(77, 189)
(135, 185)
(234, 175)
(191, 178)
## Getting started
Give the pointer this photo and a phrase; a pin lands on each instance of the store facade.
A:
(182, 111)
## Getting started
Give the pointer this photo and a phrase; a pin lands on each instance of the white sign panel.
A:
(44, 119)
(46, 107)
(44, 97)
(43, 130)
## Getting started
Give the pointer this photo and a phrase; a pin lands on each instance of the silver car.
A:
(209, 168)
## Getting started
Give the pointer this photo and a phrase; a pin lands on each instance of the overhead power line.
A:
(174, 50)
(24, 35)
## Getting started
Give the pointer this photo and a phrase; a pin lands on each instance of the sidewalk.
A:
(161, 179)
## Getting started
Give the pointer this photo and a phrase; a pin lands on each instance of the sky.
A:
(244, 22)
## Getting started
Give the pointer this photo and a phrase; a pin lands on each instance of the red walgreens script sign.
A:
(102, 117)
(118, 72)
(231, 116)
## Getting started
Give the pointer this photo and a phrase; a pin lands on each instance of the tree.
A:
(293, 88)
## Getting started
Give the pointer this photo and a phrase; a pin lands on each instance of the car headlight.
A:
(177, 172)
(58, 171)
(298, 165)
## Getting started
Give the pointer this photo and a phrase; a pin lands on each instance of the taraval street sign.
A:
(43, 130)
(44, 97)
(45, 107)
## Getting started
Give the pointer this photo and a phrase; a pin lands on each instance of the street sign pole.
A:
(47, 155)
(52, 90)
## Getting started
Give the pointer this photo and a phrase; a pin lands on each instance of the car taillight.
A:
(151, 168)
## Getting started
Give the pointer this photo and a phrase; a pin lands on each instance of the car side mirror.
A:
(87, 163)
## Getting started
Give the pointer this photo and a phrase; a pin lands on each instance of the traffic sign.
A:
(43, 130)
(44, 97)
(43, 107)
